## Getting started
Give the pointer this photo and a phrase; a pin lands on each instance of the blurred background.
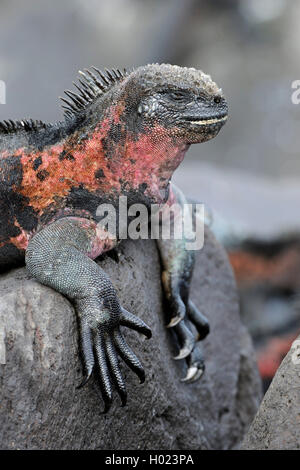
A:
(249, 176)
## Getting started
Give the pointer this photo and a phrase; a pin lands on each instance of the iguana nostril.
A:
(217, 99)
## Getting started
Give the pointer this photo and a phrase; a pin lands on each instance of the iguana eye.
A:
(178, 95)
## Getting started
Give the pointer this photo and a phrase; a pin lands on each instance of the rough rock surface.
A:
(276, 425)
(40, 407)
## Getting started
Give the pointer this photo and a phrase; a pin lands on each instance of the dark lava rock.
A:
(276, 425)
(40, 407)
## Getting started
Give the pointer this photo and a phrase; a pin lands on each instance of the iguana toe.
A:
(198, 319)
(196, 366)
(102, 344)
(128, 356)
(135, 323)
(186, 339)
(87, 352)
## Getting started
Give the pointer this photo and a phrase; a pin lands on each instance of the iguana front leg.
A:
(61, 256)
(178, 264)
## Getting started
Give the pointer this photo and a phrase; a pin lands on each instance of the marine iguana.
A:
(123, 133)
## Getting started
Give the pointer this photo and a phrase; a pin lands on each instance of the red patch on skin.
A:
(64, 174)
(150, 160)
(21, 241)
(100, 240)
(156, 158)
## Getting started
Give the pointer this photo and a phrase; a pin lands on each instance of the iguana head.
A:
(183, 102)
(137, 126)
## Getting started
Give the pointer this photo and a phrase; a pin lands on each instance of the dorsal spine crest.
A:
(91, 86)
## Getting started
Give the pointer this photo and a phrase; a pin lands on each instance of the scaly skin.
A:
(124, 134)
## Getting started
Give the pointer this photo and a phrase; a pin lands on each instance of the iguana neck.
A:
(138, 163)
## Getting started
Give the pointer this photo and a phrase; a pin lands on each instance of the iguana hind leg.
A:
(178, 264)
(60, 257)
(177, 299)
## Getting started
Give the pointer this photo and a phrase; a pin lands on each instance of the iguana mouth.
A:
(208, 121)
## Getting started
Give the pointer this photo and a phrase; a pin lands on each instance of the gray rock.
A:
(41, 407)
(276, 424)
(235, 219)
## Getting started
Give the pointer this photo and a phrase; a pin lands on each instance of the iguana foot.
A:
(102, 342)
(189, 349)
(185, 317)
(58, 257)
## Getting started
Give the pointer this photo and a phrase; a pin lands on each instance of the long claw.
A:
(174, 321)
(135, 323)
(183, 353)
(107, 405)
(179, 309)
(115, 370)
(87, 352)
(191, 372)
(198, 319)
(85, 379)
(187, 340)
(198, 375)
(103, 373)
(196, 366)
(128, 356)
